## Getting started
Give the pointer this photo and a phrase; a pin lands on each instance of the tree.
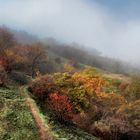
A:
(6, 39)
(16, 60)
(35, 56)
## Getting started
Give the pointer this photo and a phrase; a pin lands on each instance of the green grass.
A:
(16, 121)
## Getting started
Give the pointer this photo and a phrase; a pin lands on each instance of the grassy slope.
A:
(16, 121)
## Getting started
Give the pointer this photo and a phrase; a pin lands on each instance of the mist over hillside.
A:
(78, 53)
(112, 28)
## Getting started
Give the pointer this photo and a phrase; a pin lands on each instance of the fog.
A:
(88, 23)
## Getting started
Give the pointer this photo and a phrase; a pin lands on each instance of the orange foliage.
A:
(61, 105)
(69, 68)
(14, 56)
(94, 83)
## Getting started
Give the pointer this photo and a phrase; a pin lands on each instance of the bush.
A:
(78, 97)
(110, 101)
(63, 80)
(3, 77)
(134, 88)
(19, 77)
(93, 82)
(61, 106)
(4, 62)
(132, 111)
(81, 98)
(41, 87)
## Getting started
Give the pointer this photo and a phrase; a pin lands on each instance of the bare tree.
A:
(36, 56)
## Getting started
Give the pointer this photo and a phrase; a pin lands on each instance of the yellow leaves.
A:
(69, 68)
(101, 126)
(110, 100)
(9, 52)
(13, 56)
(92, 83)
(90, 71)
(78, 95)
(102, 95)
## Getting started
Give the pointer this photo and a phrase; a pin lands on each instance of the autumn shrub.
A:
(4, 62)
(101, 120)
(82, 120)
(3, 77)
(111, 100)
(41, 87)
(110, 129)
(63, 80)
(100, 129)
(115, 125)
(75, 87)
(69, 68)
(134, 88)
(79, 98)
(90, 71)
(19, 78)
(85, 119)
(92, 83)
(132, 111)
(61, 106)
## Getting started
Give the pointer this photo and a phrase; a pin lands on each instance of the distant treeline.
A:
(79, 54)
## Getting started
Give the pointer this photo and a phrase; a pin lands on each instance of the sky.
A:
(110, 26)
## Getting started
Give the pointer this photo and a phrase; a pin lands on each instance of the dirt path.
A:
(44, 133)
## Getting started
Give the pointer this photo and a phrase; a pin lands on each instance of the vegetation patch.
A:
(89, 101)
(16, 121)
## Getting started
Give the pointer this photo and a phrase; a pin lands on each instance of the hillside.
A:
(55, 91)
(77, 53)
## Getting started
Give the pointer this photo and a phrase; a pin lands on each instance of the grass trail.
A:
(43, 130)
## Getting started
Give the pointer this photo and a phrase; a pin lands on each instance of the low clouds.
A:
(79, 21)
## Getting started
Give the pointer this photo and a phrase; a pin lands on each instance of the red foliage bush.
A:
(4, 62)
(61, 106)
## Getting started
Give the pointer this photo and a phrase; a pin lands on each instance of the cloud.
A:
(79, 21)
